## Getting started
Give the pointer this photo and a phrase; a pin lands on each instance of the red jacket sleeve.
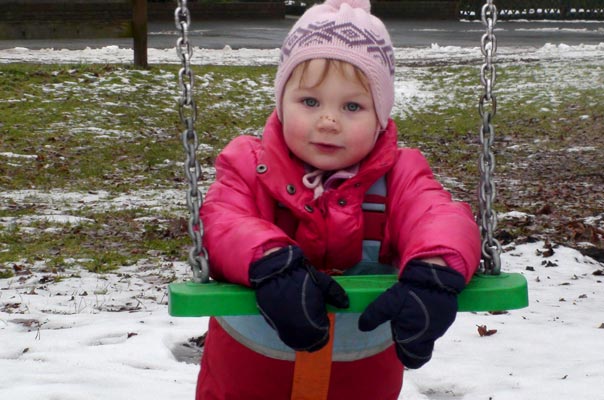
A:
(424, 221)
(236, 229)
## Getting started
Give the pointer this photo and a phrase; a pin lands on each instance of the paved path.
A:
(270, 33)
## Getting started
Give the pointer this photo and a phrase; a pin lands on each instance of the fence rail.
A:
(56, 19)
(537, 9)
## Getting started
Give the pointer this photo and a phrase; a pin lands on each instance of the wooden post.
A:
(564, 9)
(139, 32)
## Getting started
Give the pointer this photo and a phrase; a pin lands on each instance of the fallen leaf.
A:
(545, 210)
(548, 253)
(26, 322)
(484, 331)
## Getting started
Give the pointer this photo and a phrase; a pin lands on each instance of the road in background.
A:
(268, 34)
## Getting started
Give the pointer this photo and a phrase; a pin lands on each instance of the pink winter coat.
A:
(256, 176)
(253, 175)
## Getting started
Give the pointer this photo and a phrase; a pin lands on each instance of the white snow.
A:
(109, 336)
(8, 154)
(67, 340)
(579, 149)
(228, 56)
(550, 350)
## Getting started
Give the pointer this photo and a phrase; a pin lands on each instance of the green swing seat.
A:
(506, 291)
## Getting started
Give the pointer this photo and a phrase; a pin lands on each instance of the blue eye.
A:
(310, 102)
(352, 107)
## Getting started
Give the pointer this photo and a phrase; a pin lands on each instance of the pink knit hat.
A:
(342, 30)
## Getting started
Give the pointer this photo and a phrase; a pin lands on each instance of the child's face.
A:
(329, 123)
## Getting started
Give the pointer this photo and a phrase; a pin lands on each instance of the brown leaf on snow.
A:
(580, 232)
(26, 322)
(10, 308)
(548, 253)
(21, 270)
(548, 250)
(484, 331)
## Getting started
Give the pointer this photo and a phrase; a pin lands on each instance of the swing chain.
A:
(487, 107)
(187, 110)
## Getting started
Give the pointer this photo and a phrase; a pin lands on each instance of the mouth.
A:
(326, 147)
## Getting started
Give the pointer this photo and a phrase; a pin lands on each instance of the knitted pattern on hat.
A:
(342, 30)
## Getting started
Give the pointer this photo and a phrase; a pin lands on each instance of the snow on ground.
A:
(551, 350)
(91, 336)
(56, 200)
(109, 336)
(228, 56)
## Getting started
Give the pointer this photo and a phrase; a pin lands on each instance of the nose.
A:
(327, 123)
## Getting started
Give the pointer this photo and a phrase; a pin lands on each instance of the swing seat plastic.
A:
(507, 291)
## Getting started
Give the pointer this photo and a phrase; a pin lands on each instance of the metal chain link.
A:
(487, 107)
(187, 110)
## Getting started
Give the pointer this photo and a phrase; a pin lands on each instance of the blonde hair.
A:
(348, 70)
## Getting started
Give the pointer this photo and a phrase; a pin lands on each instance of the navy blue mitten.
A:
(291, 295)
(420, 308)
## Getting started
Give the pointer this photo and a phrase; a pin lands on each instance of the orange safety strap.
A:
(312, 370)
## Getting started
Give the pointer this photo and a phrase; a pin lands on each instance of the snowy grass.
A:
(89, 141)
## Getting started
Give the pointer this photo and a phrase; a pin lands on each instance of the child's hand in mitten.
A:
(291, 295)
(420, 308)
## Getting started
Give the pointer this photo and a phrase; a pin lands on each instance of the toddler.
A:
(326, 191)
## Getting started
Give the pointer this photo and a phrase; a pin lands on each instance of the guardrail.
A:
(537, 9)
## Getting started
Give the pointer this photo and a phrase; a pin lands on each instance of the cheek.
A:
(366, 133)
(363, 141)
(294, 125)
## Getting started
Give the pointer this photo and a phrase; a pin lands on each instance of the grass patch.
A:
(87, 128)
(91, 127)
(116, 238)
(6, 273)
(107, 262)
